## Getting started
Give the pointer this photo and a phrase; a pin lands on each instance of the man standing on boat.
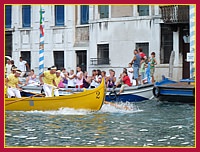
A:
(22, 66)
(136, 65)
(47, 79)
(12, 82)
(8, 67)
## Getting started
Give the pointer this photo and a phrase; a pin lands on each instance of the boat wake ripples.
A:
(119, 107)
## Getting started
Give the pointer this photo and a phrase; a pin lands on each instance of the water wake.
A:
(63, 111)
(118, 107)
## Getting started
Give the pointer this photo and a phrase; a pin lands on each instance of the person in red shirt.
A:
(142, 54)
(126, 82)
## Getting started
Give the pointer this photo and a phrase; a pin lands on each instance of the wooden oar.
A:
(21, 99)
(33, 93)
(117, 106)
(66, 90)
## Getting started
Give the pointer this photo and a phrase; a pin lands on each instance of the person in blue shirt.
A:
(136, 65)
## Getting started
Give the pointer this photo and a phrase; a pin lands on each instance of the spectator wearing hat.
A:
(47, 79)
(12, 82)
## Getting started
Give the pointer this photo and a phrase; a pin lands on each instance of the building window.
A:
(8, 43)
(84, 14)
(26, 16)
(103, 53)
(143, 10)
(59, 59)
(59, 15)
(8, 16)
(144, 46)
(104, 11)
(166, 43)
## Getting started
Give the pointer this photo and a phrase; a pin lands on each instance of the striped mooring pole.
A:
(192, 38)
(41, 51)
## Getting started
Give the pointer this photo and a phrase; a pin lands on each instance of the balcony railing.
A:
(99, 61)
(174, 14)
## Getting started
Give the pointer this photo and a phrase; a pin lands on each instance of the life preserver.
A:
(156, 91)
(114, 94)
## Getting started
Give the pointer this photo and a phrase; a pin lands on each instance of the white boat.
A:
(131, 94)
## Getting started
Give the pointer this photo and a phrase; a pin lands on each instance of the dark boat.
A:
(173, 91)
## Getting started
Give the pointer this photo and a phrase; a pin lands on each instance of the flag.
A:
(41, 47)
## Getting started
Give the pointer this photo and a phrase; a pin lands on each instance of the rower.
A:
(12, 82)
(47, 79)
(59, 82)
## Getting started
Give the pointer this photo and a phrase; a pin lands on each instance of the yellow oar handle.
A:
(21, 99)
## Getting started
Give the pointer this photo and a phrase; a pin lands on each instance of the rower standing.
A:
(59, 82)
(48, 81)
(12, 82)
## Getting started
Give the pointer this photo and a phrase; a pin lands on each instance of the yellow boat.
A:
(89, 100)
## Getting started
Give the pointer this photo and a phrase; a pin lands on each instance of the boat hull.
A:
(172, 91)
(182, 99)
(89, 100)
(131, 94)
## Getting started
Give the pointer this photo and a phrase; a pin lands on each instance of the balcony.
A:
(175, 14)
(99, 61)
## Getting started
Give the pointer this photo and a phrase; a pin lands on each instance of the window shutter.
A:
(26, 16)
(104, 11)
(8, 16)
(143, 10)
(59, 15)
(84, 14)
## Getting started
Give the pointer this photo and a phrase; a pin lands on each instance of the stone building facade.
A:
(94, 36)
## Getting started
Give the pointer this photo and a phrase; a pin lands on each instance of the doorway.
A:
(8, 43)
(59, 59)
(184, 48)
(186, 65)
(81, 59)
(26, 55)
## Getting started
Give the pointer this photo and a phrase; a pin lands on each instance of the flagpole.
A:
(192, 37)
(41, 46)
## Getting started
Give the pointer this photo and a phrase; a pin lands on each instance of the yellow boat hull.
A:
(88, 100)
